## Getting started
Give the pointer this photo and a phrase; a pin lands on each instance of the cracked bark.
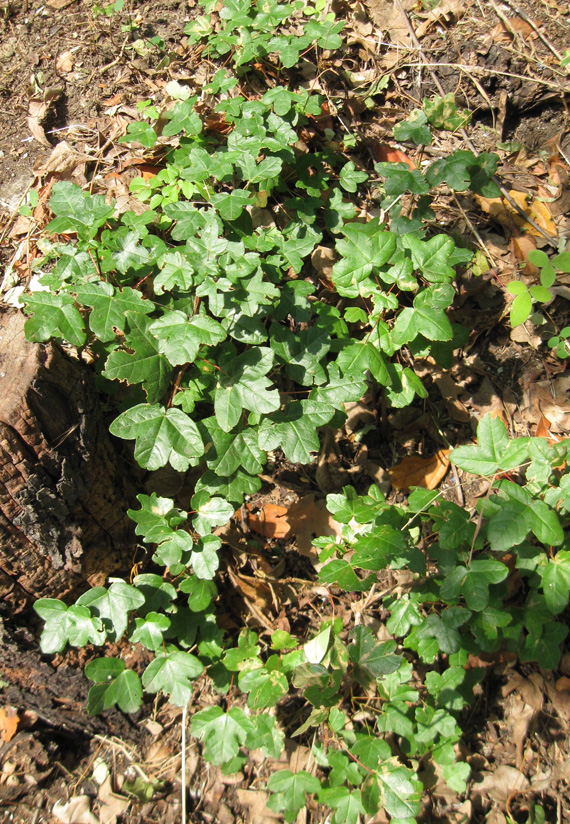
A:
(64, 492)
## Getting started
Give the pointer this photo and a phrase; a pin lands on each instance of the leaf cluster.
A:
(208, 313)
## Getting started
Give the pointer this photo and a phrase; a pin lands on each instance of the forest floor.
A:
(70, 81)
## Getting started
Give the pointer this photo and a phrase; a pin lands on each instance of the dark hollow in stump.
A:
(63, 490)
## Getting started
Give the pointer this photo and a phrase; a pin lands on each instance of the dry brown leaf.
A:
(388, 17)
(62, 161)
(531, 689)
(495, 817)
(330, 475)
(57, 5)
(503, 32)
(519, 719)
(256, 803)
(521, 245)
(75, 811)
(487, 401)
(111, 805)
(549, 398)
(388, 154)
(506, 214)
(450, 391)
(8, 723)
(322, 260)
(271, 522)
(64, 62)
(21, 226)
(37, 110)
(255, 590)
(418, 471)
(310, 519)
(489, 661)
(447, 10)
(502, 784)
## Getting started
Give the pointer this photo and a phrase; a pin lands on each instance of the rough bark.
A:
(63, 490)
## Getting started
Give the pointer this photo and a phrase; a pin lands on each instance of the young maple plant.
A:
(228, 346)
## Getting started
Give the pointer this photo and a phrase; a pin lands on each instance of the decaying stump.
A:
(63, 496)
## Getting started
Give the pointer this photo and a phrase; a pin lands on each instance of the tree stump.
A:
(63, 488)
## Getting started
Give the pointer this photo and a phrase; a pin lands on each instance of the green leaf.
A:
(340, 389)
(180, 337)
(290, 789)
(427, 318)
(371, 657)
(346, 803)
(442, 113)
(231, 450)
(162, 436)
(295, 430)
(365, 248)
(200, 592)
(340, 572)
(356, 359)
(431, 257)
(556, 581)
(210, 512)
(204, 557)
(400, 796)
(104, 669)
(521, 309)
(302, 352)
(349, 178)
(230, 205)
(124, 691)
(265, 736)
(77, 211)
(444, 629)
(183, 118)
(400, 179)
(128, 252)
(156, 518)
(145, 364)
(188, 221)
(109, 307)
(113, 605)
(242, 384)
(54, 634)
(415, 128)
(232, 488)
(223, 733)
(172, 673)
(485, 458)
(405, 614)
(473, 582)
(140, 132)
(62, 624)
(545, 524)
(264, 688)
(55, 316)
(149, 631)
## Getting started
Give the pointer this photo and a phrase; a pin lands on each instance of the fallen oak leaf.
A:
(75, 811)
(271, 522)
(384, 153)
(419, 471)
(9, 720)
(504, 212)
